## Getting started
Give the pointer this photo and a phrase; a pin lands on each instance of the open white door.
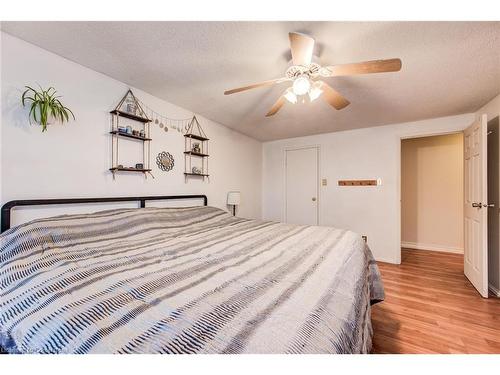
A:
(475, 209)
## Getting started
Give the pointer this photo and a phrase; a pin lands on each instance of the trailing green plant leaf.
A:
(45, 103)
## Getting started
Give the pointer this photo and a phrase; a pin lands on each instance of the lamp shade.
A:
(233, 198)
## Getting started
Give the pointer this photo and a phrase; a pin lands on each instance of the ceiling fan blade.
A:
(302, 48)
(255, 85)
(276, 106)
(366, 67)
(333, 98)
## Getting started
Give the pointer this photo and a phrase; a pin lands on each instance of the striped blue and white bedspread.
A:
(184, 280)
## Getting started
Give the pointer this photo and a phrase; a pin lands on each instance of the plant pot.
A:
(51, 120)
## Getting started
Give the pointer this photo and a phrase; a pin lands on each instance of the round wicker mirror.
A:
(165, 161)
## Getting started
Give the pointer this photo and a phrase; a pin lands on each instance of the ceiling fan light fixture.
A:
(301, 85)
(315, 91)
(290, 96)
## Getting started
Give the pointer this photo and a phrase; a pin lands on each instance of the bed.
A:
(184, 280)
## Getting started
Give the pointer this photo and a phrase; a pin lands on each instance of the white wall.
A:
(491, 109)
(73, 160)
(432, 193)
(356, 154)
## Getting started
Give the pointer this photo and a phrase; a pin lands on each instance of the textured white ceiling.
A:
(448, 67)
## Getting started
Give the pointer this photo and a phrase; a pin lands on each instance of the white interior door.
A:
(475, 209)
(301, 186)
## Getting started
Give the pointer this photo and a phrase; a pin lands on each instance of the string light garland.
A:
(164, 122)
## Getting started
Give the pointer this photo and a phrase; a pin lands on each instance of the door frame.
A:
(398, 174)
(318, 193)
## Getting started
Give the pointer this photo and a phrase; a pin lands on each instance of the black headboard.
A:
(40, 202)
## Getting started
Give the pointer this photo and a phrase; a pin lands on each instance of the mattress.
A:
(184, 280)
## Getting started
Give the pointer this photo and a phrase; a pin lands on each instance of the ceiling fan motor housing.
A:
(295, 71)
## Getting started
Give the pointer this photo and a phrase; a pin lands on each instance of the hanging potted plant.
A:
(46, 108)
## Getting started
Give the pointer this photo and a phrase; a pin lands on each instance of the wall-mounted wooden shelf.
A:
(196, 174)
(127, 135)
(125, 169)
(198, 150)
(357, 182)
(195, 136)
(130, 116)
(192, 153)
(135, 112)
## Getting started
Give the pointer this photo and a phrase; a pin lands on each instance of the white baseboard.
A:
(421, 246)
(386, 260)
(494, 290)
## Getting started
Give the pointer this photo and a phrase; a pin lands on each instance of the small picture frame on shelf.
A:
(139, 166)
(196, 148)
(131, 108)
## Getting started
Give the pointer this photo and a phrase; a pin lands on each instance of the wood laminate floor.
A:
(431, 307)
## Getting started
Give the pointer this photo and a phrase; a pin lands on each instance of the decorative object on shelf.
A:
(130, 109)
(130, 105)
(165, 161)
(196, 147)
(233, 199)
(45, 107)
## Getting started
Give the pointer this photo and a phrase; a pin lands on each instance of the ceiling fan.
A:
(305, 73)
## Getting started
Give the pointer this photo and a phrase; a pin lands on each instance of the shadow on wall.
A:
(494, 197)
(14, 110)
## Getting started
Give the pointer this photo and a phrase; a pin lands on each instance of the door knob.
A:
(314, 199)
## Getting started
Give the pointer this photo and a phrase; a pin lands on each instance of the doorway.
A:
(480, 196)
(432, 191)
(301, 186)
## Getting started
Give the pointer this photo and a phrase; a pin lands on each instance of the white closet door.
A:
(301, 185)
